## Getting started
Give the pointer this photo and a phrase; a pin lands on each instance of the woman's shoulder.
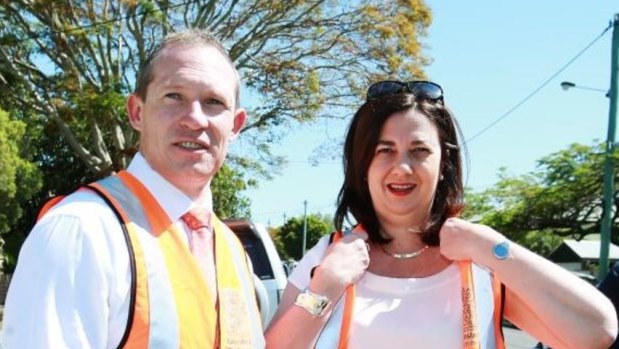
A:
(301, 274)
(319, 249)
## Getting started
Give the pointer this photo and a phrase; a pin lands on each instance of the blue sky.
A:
(488, 56)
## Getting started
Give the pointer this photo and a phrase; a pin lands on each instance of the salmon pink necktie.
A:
(198, 219)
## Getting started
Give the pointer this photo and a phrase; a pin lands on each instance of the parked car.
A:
(266, 262)
(587, 277)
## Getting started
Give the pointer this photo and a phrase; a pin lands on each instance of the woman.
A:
(412, 274)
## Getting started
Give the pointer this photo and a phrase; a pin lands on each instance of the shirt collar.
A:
(173, 201)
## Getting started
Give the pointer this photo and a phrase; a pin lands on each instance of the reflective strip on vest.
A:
(231, 322)
(162, 319)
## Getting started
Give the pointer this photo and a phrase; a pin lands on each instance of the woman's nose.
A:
(404, 164)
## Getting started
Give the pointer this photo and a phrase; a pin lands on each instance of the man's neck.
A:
(200, 195)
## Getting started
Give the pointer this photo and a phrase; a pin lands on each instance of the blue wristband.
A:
(501, 250)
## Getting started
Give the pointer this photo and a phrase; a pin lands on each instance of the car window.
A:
(257, 254)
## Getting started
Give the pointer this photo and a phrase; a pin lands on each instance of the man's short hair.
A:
(186, 37)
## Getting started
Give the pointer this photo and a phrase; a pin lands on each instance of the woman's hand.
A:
(344, 263)
(462, 240)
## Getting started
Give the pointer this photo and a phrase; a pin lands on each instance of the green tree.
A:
(542, 242)
(477, 205)
(226, 199)
(561, 197)
(61, 173)
(19, 178)
(71, 63)
(67, 66)
(289, 237)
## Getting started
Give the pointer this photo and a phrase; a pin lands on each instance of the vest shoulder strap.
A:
(93, 187)
(48, 205)
(132, 262)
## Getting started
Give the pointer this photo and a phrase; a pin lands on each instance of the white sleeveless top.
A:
(405, 312)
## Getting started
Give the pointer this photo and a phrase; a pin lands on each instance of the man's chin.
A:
(190, 175)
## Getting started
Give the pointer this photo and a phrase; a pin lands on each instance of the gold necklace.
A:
(405, 255)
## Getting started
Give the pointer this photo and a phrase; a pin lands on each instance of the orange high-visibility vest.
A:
(170, 303)
(470, 331)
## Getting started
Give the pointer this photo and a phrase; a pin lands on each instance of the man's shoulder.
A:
(82, 203)
(79, 219)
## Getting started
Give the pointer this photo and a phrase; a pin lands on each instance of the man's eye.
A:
(173, 95)
(214, 101)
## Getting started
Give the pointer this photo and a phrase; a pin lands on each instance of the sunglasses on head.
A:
(421, 89)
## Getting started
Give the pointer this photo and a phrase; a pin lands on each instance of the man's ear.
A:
(240, 115)
(134, 110)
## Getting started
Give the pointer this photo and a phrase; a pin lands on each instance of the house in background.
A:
(580, 255)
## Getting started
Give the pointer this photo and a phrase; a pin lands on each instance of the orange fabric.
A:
(498, 316)
(140, 327)
(48, 205)
(188, 276)
(197, 314)
(469, 313)
(349, 303)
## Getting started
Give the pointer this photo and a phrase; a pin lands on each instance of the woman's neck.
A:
(404, 239)
(426, 264)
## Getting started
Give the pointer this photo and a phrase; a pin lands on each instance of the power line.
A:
(529, 96)
(96, 24)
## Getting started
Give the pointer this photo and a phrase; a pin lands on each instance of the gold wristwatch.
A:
(315, 304)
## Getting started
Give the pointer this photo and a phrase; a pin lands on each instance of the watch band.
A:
(315, 304)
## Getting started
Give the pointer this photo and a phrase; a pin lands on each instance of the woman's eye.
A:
(421, 150)
(383, 151)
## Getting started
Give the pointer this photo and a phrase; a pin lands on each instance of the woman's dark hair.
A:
(363, 135)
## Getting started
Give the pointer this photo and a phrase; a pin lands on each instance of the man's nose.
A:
(196, 117)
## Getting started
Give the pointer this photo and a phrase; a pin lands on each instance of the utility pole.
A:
(609, 168)
(304, 227)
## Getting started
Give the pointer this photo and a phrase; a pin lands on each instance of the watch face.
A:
(313, 303)
(501, 250)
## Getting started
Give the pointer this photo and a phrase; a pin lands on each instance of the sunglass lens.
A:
(384, 88)
(427, 90)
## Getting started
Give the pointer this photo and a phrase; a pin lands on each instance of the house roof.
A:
(587, 249)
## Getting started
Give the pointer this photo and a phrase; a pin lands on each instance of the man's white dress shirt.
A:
(71, 285)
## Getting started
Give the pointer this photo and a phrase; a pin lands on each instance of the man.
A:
(114, 264)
